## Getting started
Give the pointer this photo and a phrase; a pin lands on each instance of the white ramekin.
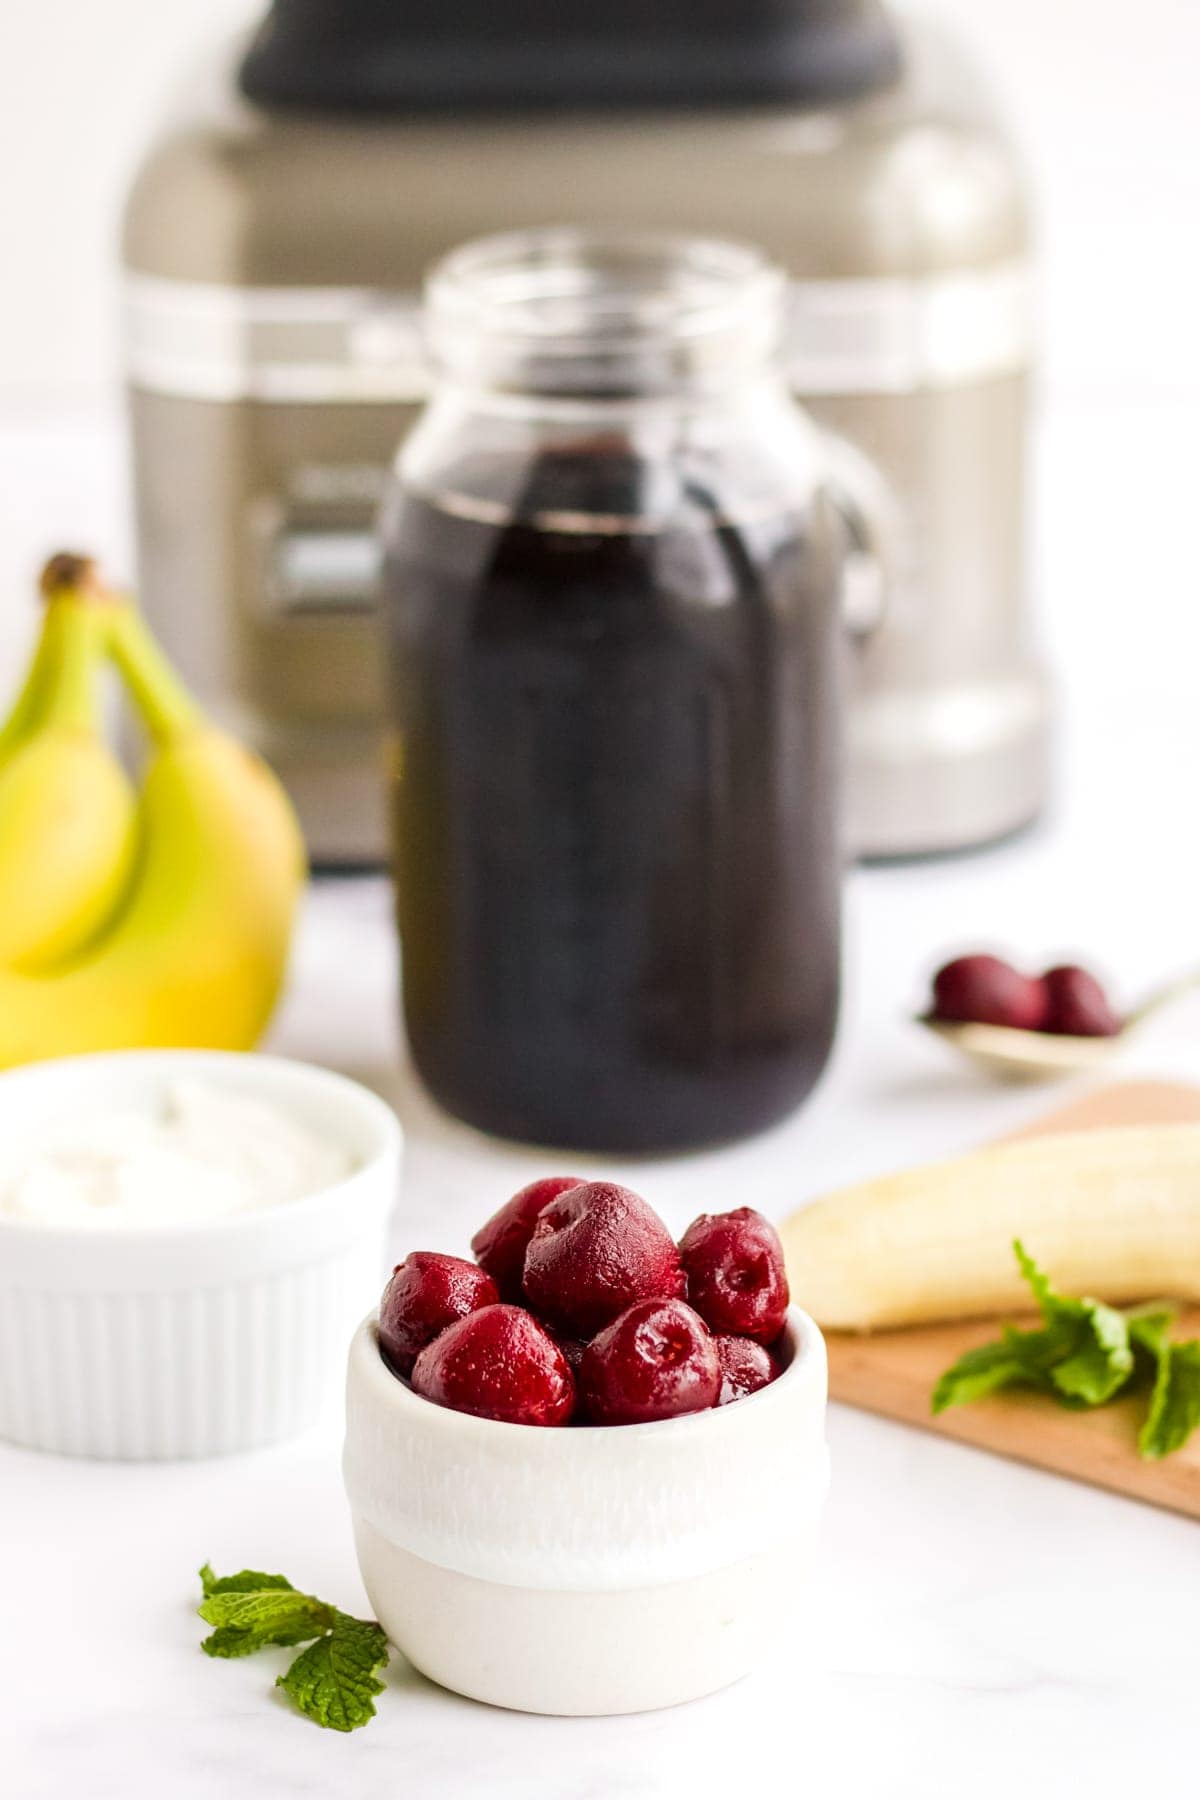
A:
(589, 1569)
(190, 1340)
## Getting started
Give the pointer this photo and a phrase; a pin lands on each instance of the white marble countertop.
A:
(973, 1627)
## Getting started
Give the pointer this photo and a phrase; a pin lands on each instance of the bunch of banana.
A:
(127, 920)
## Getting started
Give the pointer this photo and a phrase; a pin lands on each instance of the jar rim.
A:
(605, 307)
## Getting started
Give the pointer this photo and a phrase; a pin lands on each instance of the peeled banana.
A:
(197, 948)
(66, 804)
(1113, 1214)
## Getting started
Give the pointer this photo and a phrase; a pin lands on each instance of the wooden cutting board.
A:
(893, 1372)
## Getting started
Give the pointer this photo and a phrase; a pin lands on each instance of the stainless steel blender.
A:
(274, 243)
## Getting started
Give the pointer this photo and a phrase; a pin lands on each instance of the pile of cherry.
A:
(580, 1307)
(985, 990)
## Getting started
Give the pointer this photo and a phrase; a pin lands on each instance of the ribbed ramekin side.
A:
(199, 1372)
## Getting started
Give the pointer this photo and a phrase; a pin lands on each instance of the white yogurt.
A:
(204, 1154)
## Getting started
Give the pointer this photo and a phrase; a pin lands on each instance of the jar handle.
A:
(869, 519)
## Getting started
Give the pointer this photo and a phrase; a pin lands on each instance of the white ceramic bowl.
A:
(590, 1569)
(189, 1340)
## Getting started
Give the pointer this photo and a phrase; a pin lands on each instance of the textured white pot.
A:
(588, 1569)
(190, 1340)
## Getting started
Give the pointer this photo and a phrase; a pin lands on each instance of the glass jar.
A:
(612, 605)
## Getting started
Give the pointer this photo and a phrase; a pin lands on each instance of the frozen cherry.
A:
(1078, 1005)
(654, 1361)
(983, 990)
(499, 1246)
(745, 1367)
(594, 1250)
(427, 1293)
(498, 1363)
(736, 1279)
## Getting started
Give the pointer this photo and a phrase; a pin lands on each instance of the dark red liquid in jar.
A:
(615, 808)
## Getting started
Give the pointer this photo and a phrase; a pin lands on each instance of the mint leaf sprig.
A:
(335, 1680)
(1175, 1399)
(1084, 1354)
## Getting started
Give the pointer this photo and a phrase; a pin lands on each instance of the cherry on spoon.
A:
(1011, 1054)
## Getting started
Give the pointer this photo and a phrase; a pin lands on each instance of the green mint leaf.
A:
(1080, 1355)
(1084, 1344)
(1040, 1283)
(249, 1581)
(1042, 1349)
(1083, 1354)
(1175, 1403)
(976, 1374)
(334, 1681)
(1150, 1326)
(1101, 1361)
(1037, 1351)
(226, 1642)
(246, 1621)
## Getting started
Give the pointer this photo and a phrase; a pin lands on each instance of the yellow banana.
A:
(197, 953)
(66, 805)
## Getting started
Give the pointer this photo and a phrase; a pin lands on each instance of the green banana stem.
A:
(166, 707)
(23, 716)
(59, 685)
(69, 697)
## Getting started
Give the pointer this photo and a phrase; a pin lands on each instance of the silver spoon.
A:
(1014, 1055)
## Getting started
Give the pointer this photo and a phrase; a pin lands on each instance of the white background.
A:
(1104, 93)
(975, 1627)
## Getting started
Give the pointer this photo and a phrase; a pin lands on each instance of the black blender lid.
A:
(391, 55)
